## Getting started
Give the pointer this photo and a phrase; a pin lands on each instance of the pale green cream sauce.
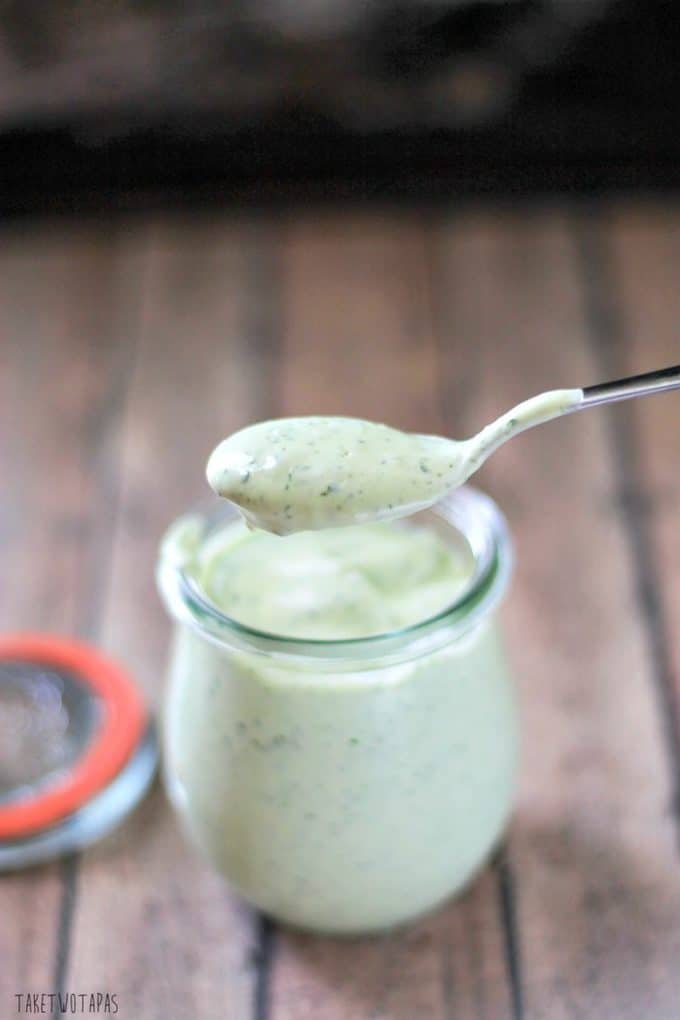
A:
(344, 799)
(329, 585)
(299, 474)
(349, 799)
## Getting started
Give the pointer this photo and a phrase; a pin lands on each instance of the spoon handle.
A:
(634, 386)
(555, 403)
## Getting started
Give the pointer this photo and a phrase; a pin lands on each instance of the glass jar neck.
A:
(468, 513)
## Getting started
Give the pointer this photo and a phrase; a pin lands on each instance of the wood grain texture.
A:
(127, 350)
(592, 848)
(359, 340)
(66, 309)
(357, 330)
(177, 943)
(641, 249)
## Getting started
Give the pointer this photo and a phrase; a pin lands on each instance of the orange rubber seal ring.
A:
(118, 731)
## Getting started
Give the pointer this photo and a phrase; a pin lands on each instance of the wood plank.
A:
(592, 863)
(592, 847)
(358, 340)
(357, 331)
(176, 943)
(642, 246)
(64, 342)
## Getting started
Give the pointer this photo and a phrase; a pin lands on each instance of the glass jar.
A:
(344, 786)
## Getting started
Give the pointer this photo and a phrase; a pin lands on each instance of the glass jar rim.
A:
(473, 514)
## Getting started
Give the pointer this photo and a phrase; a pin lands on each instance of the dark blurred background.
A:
(128, 102)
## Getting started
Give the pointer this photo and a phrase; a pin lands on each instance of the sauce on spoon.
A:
(301, 474)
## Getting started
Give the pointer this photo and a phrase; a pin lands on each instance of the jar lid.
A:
(77, 749)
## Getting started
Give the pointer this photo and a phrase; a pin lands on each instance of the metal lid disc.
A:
(77, 749)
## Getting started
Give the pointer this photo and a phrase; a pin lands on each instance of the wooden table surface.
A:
(127, 348)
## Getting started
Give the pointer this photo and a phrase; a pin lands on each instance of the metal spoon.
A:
(556, 403)
(297, 474)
